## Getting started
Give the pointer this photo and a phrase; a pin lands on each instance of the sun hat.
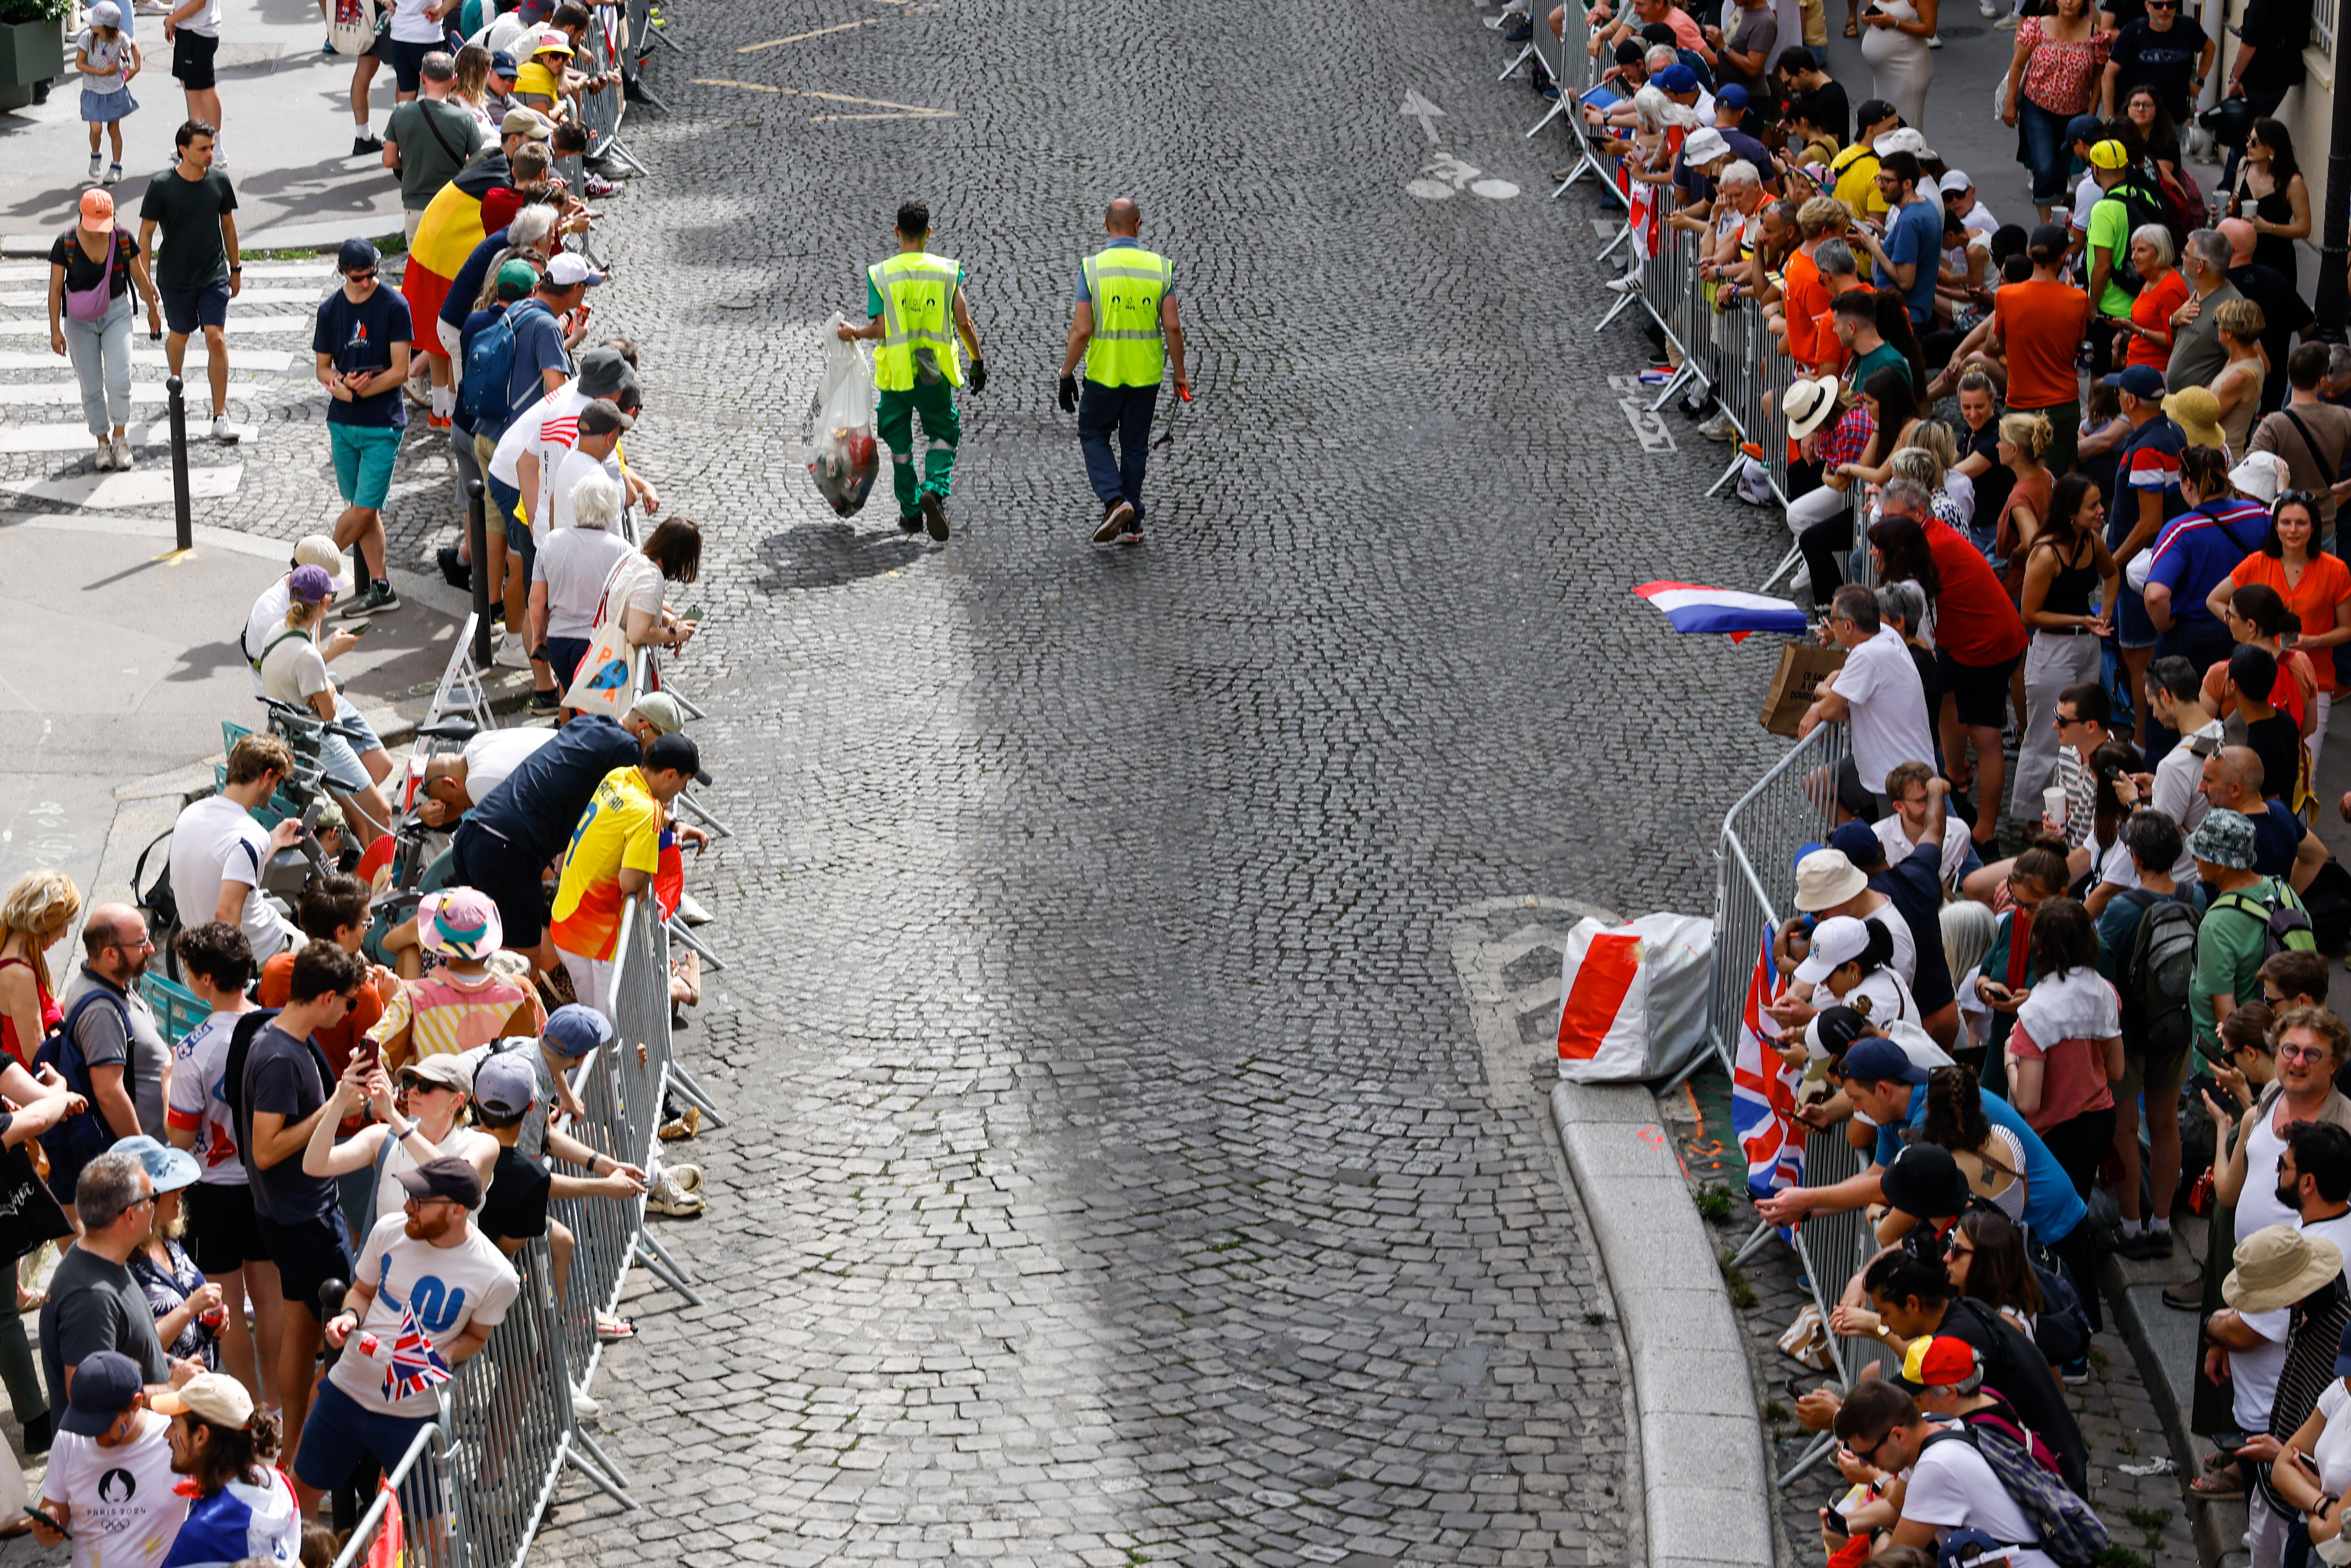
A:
(2225, 839)
(1705, 145)
(550, 42)
(459, 923)
(2197, 412)
(1923, 1181)
(2109, 155)
(2276, 1266)
(213, 1398)
(2261, 475)
(1808, 403)
(1938, 1360)
(1825, 879)
(1835, 941)
(309, 585)
(103, 1387)
(169, 1168)
(96, 208)
(602, 371)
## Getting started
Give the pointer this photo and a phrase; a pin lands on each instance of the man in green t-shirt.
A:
(429, 138)
(197, 271)
(1853, 315)
(2233, 939)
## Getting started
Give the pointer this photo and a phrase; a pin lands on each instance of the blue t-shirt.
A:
(2277, 834)
(538, 346)
(536, 808)
(467, 287)
(1915, 886)
(2196, 554)
(2147, 463)
(289, 1078)
(1913, 237)
(2051, 1207)
(359, 338)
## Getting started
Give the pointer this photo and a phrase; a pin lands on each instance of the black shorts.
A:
(308, 1254)
(408, 61)
(224, 1233)
(192, 58)
(1981, 691)
(480, 859)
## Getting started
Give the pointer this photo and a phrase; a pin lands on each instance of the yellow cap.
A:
(2109, 155)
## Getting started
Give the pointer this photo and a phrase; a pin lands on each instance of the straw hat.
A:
(2197, 412)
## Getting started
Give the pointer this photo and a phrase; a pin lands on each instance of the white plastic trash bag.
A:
(1633, 997)
(844, 460)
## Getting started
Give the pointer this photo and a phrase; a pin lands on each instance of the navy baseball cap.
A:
(355, 256)
(2144, 383)
(2084, 128)
(502, 64)
(1733, 95)
(1860, 844)
(1877, 1060)
(575, 1029)
(103, 1386)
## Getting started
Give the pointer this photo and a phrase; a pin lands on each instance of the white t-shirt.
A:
(2333, 1449)
(2086, 196)
(546, 430)
(574, 565)
(200, 1059)
(1905, 947)
(2337, 1230)
(217, 840)
(449, 1287)
(2253, 1374)
(125, 1512)
(494, 754)
(1889, 999)
(2180, 796)
(295, 670)
(504, 33)
(205, 21)
(1898, 846)
(1952, 1486)
(1978, 219)
(1889, 708)
(571, 467)
(409, 25)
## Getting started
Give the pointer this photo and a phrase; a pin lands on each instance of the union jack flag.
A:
(1763, 1091)
(415, 1365)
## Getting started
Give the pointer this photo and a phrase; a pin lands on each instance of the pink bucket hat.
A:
(459, 923)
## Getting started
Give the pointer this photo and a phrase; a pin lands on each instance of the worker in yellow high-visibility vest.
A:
(1126, 332)
(915, 307)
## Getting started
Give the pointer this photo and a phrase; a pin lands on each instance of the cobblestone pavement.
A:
(1113, 1174)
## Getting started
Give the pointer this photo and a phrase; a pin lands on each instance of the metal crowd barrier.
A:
(601, 112)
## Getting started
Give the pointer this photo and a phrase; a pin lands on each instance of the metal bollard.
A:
(477, 541)
(180, 462)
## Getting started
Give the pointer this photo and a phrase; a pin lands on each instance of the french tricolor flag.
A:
(1692, 608)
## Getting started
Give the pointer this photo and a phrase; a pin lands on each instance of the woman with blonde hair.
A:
(2022, 448)
(2237, 388)
(469, 92)
(33, 919)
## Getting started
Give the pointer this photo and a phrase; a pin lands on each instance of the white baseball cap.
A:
(1902, 140)
(1954, 182)
(1839, 940)
(568, 268)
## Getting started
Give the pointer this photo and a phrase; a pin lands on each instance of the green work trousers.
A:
(942, 426)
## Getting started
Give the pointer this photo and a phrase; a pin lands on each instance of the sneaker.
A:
(2005, 25)
(1628, 284)
(685, 1177)
(669, 1199)
(545, 702)
(379, 597)
(913, 525)
(1718, 428)
(583, 1409)
(366, 146)
(454, 572)
(96, 164)
(1988, 8)
(1520, 34)
(681, 1127)
(1565, 171)
(2076, 1371)
(104, 461)
(934, 514)
(611, 1328)
(690, 911)
(122, 445)
(1934, 40)
(2185, 1297)
(1132, 536)
(222, 431)
(1116, 519)
(39, 1433)
(114, 174)
(597, 185)
(2148, 1245)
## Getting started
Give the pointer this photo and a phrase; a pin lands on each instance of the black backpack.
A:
(2143, 207)
(240, 1047)
(2069, 1531)
(2158, 974)
(79, 1139)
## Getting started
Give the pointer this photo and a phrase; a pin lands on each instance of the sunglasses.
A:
(367, 276)
(409, 1081)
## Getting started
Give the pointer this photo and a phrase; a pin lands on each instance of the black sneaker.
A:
(454, 572)
(934, 515)
(2186, 1297)
(545, 702)
(39, 1432)
(2148, 1245)
(913, 525)
(366, 146)
(1116, 519)
(1520, 34)
(379, 596)
(2076, 1371)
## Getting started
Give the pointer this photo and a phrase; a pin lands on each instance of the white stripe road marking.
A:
(240, 326)
(141, 487)
(321, 269)
(28, 392)
(74, 438)
(31, 299)
(241, 356)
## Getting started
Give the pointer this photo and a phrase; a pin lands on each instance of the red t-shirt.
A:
(1803, 300)
(2152, 309)
(1974, 621)
(2040, 324)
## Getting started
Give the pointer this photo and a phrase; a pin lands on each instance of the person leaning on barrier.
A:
(612, 857)
(428, 1268)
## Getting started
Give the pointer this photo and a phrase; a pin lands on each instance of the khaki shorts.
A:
(484, 450)
(2158, 1077)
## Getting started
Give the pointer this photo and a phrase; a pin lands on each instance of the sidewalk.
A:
(285, 130)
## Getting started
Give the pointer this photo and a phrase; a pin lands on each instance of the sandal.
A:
(2220, 1459)
(2227, 1483)
(1852, 29)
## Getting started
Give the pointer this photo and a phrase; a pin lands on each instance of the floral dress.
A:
(168, 1294)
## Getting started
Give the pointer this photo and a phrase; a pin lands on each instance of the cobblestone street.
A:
(1112, 1174)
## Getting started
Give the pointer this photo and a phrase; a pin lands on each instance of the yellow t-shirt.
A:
(620, 830)
(1857, 182)
(535, 77)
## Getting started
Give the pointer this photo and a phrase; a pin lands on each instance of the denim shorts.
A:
(340, 1432)
(364, 454)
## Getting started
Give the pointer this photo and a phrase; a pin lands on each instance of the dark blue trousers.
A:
(1125, 411)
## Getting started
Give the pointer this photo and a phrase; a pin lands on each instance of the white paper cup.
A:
(2052, 802)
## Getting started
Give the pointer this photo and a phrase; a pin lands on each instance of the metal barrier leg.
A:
(1822, 1446)
(1624, 303)
(1683, 375)
(612, 149)
(1754, 1244)
(1737, 463)
(657, 1261)
(681, 1081)
(1546, 120)
(1512, 69)
(598, 1467)
(1788, 563)
(683, 934)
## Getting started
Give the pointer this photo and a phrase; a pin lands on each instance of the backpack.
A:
(485, 384)
(240, 1047)
(2156, 974)
(2285, 925)
(79, 1139)
(2068, 1531)
(2061, 1330)
(2142, 207)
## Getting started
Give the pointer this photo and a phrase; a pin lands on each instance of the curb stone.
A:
(1705, 1490)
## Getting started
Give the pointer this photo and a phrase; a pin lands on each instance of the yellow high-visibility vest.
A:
(1125, 284)
(917, 292)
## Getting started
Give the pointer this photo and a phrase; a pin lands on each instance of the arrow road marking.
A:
(1418, 107)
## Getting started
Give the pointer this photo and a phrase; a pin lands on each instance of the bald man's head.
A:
(115, 938)
(2241, 766)
(1123, 217)
(2239, 235)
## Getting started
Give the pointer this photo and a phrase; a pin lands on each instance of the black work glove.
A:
(979, 375)
(1069, 394)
